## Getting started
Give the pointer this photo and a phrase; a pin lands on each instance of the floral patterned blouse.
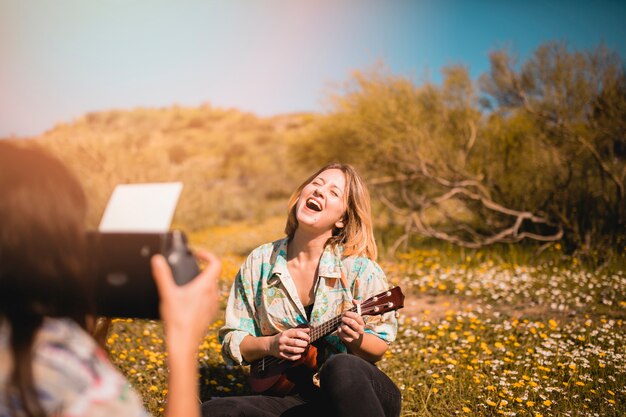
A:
(264, 300)
(73, 377)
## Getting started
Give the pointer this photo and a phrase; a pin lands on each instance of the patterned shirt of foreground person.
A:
(73, 374)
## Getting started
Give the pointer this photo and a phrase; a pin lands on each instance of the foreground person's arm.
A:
(186, 312)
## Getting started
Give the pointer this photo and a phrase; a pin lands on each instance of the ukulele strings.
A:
(319, 331)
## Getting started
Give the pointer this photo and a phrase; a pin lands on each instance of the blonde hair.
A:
(357, 234)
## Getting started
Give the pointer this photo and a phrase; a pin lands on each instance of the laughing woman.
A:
(320, 270)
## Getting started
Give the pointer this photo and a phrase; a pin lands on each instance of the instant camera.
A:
(135, 227)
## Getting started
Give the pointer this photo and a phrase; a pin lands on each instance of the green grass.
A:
(481, 336)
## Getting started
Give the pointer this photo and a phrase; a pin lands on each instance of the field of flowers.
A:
(484, 337)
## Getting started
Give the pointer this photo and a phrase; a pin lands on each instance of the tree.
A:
(537, 154)
(421, 149)
(573, 108)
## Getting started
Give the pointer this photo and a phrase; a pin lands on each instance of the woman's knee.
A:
(227, 407)
(343, 367)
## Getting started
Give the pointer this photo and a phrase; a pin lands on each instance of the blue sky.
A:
(60, 59)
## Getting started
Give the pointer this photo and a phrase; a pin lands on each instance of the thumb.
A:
(162, 274)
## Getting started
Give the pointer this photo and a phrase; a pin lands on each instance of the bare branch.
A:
(473, 239)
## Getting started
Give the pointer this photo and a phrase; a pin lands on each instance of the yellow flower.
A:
(530, 403)
(580, 383)
(547, 403)
(466, 410)
(491, 403)
(153, 388)
(491, 388)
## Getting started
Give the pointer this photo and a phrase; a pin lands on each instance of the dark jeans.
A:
(350, 386)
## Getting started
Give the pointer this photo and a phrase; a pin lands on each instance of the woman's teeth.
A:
(313, 205)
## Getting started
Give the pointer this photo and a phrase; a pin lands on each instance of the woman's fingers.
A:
(292, 343)
(347, 334)
(352, 327)
(290, 357)
(162, 274)
(353, 321)
(187, 309)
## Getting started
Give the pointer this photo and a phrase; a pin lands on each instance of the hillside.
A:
(234, 166)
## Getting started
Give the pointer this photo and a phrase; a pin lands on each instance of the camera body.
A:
(121, 280)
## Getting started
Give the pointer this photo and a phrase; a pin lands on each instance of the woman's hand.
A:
(290, 344)
(365, 345)
(187, 310)
(351, 329)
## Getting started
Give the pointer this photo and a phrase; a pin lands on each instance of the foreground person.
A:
(49, 364)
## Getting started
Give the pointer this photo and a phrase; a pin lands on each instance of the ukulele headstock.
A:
(389, 300)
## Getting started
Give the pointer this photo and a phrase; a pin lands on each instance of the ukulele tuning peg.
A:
(389, 304)
(375, 299)
(376, 309)
(388, 293)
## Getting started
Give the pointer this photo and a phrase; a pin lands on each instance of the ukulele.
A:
(268, 375)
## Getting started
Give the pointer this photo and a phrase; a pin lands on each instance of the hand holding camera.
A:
(184, 305)
(123, 284)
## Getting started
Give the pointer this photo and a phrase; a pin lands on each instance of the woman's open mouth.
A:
(313, 205)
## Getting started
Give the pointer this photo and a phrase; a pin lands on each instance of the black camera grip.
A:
(179, 257)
